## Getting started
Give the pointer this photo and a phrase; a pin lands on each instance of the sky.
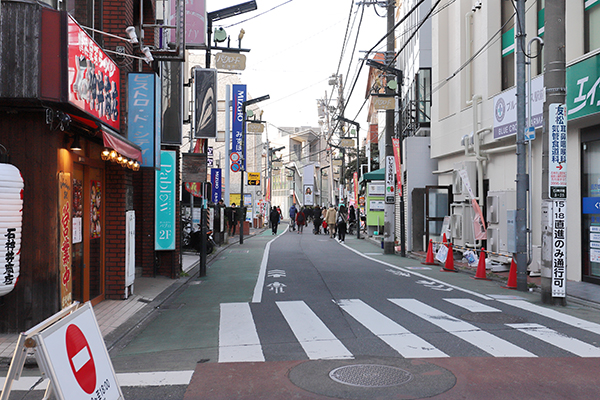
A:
(296, 46)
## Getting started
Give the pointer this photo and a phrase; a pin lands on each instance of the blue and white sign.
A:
(144, 115)
(164, 208)
(215, 179)
(237, 125)
(505, 109)
(591, 205)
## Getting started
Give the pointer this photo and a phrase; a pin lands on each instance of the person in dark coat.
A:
(300, 220)
(317, 220)
(231, 216)
(274, 218)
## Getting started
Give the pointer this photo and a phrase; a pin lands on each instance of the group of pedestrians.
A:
(333, 220)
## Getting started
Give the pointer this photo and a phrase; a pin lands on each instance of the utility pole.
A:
(522, 177)
(555, 83)
(388, 218)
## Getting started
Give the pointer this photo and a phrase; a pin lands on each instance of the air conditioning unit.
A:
(497, 205)
(458, 188)
(461, 224)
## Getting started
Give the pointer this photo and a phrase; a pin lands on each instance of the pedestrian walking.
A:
(293, 212)
(330, 217)
(274, 218)
(351, 219)
(317, 220)
(300, 220)
(231, 216)
(341, 223)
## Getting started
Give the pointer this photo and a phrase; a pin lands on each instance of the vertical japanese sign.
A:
(94, 79)
(389, 180)
(215, 179)
(96, 209)
(557, 126)
(355, 180)
(164, 222)
(144, 120)
(64, 209)
(396, 143)
(559, 247)
(237, 125)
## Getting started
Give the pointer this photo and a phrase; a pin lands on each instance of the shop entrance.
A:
(590, 192)
(88, 225)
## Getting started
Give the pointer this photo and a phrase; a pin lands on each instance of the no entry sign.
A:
(78, 364)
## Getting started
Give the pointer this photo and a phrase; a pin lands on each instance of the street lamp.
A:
(349, 121)
(243, 159)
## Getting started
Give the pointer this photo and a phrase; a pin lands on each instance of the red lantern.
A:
(11, 211)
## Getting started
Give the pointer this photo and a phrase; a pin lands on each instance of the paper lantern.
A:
(11, 211)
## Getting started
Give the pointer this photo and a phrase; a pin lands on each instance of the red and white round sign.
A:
(81, 359)
(234, 157)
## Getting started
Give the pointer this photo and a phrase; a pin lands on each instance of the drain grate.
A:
(370, 375)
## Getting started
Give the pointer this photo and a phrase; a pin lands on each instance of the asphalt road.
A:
(319, 320)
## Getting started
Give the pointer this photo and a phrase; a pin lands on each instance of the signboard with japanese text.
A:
(383, 102)
(253, 178)
(144, 120)
(165, 193)
(389, 180)
(583, 79)
(237, 123)
(94, 79)
(557, 159)
(230, 61)
(505, 109)
(65, 211)
(559, 248)
(397, 159)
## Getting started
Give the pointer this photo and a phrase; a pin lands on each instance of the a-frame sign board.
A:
(70, 352)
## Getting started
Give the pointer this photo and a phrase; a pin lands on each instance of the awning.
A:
(121, 145)
(377, 175)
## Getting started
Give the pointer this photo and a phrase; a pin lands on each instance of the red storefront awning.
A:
(121, 145)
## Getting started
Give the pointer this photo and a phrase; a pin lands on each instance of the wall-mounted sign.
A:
(144, 120)
(165, 193)
(65, 261)
(557, 169)
(383, 102)
(215, 180)
(230, 61)
(94, 79)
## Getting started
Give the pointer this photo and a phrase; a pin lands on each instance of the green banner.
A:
(583, 94)
(164, 197)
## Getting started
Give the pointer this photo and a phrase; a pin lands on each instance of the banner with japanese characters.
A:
(559, 248)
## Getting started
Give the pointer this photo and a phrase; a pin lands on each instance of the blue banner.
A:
(215, 180)
(144, 119)
(238, 144)
(164, 197)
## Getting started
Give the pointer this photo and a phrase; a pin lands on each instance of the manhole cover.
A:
(492, 318)
(368, 375)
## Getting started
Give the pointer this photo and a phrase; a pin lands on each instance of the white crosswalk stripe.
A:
(315, 338)
(239, 340)
(487, 342)
(567, 343)
(396, 336)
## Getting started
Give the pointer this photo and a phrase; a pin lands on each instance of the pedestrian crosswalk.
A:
(435, 333)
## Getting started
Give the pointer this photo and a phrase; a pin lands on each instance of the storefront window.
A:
(590, 191)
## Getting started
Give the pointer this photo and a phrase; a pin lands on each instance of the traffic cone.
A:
(429, 260)
(444, 238)
(512, 276)
(449, 266)
(481, 267)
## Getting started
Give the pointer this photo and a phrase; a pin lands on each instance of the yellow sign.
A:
(255, 127)
(384, 103)
(230, 61)
(337, 162)
(253, 178)
(347, 143)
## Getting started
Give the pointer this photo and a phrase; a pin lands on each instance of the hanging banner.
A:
(355, 179)
(479, 229)
(237, 124)
(215, 180)
(65, 263)
(205, 104)
(396, 143)
(164, 197)
(389, 180)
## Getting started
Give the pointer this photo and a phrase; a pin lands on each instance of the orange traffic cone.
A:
(512, 276)
(449, 266)
(481, 267)
(429, 260)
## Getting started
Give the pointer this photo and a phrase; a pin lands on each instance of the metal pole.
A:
(555, 83)
(522, 177)
(388, 218)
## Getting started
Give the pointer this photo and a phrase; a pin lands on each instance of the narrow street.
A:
(319, 319)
